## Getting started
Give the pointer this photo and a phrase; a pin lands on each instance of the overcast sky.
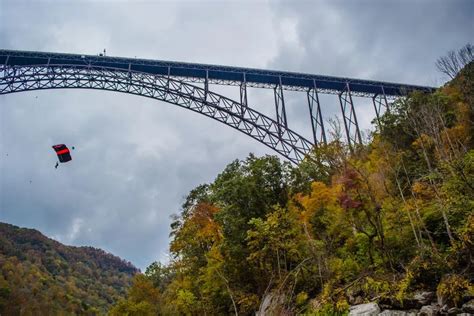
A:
(137, 158)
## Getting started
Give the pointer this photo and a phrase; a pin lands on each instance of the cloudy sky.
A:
(137, 158)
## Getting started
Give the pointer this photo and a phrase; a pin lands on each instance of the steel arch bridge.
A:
(188, 85)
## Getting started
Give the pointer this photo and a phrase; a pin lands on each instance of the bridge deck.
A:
(215, 73)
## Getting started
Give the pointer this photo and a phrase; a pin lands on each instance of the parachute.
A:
(63, 153)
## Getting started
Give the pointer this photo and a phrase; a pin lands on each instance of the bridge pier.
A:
(380, 103)
(317, 124)
(243, 95)
(280, 106)
(206, 85)
(349, 118)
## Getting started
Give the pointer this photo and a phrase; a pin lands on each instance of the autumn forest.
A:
(375, 223)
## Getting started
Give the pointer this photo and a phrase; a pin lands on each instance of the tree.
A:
(160, 275)
(143, 299)
(453, 62)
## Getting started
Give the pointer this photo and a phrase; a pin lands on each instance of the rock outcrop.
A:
(369, 309)
(468, 307)
(427, 299)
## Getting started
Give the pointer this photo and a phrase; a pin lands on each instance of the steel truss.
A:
(164, 88)
(380, 105)
(213, 74)
(317, 123)
(243, 95)
(349, 118)
(280, 106)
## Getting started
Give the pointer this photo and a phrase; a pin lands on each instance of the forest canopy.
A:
(40, 276)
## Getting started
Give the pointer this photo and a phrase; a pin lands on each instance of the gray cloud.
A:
(136, 158)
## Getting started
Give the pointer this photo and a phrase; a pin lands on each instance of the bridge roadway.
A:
(214, 74)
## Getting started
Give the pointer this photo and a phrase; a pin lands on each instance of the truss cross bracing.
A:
(349, 118)
(380, 105)
(317, 123)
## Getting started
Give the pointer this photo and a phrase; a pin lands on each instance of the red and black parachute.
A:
(63, 152)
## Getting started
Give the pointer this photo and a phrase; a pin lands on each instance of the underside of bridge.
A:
(187, 85)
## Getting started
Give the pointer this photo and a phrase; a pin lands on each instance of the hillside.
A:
(390, 223)
(40, 276)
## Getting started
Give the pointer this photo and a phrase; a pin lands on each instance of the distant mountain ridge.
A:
(39, 275)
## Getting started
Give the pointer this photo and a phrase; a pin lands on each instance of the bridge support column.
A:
(317, 124)
(349, 117)
(280, 105)
(206, 85)
(243, 95)
(380, 104)
(168, 78)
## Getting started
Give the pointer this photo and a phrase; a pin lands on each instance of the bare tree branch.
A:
(453, 62)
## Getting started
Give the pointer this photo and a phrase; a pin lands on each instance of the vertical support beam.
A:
(280, 105)
(50, 71)
(317, 124)
(349, 117)
(129, 75)
(6, 68)
(206, 85)
(243, 95)
(168, 79)
(129, 72)
(380, 102)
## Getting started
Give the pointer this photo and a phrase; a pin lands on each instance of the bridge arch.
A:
(235, 114)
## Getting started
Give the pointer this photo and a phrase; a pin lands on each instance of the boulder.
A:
(272, 304)
(429, 310)
(424, 298)
(369, 309)
(468, 307)
(389, 312)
